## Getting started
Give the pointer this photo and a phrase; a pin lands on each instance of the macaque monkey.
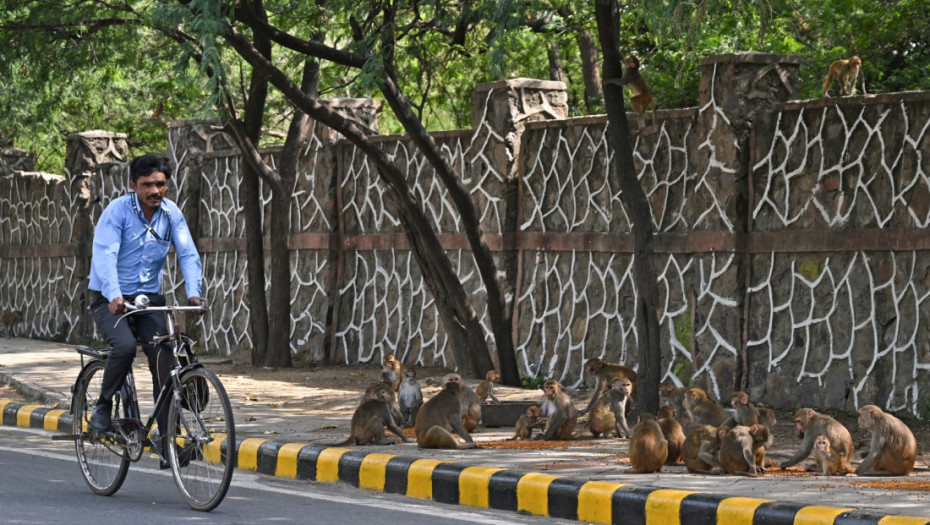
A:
(742, 449)
(471, 403)
(441, 415)
(672, 395)
(606, 373)
(893, 449)
(370, 418)
(642, 97)
(486, 388)
(808, 425)
(673, 433)
(392, 371)
(699, 451)
(9, 321)
(609, 413)
(744, 413)
(561, 413)
(648, 446)
(845, 71)
(702, 410)
(409, 397)
(620, 400)
(393, 405)
(830, 461)
(527, 422)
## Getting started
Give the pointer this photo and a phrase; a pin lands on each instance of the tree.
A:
(607, 13)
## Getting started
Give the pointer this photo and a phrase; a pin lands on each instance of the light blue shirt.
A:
(128, 256)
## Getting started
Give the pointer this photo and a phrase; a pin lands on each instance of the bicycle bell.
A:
(142, 302)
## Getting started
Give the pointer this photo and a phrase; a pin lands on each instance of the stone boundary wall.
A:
(790, 239)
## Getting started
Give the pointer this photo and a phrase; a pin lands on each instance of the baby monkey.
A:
(527, 422)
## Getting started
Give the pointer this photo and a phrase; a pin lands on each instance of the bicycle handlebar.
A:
(141, 303)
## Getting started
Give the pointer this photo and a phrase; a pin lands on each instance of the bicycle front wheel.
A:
(103, 461)
(201, 427)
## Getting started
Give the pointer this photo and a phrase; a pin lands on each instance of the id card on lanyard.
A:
(155, 247)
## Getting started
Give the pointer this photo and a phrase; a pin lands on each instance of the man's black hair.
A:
(148, 164)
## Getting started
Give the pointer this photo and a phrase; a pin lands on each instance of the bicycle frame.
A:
(129, 432)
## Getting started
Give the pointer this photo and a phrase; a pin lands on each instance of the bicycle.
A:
(200, 421)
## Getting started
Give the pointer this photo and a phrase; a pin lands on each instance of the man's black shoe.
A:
(100, 419)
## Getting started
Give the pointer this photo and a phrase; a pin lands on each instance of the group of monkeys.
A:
(397, 401)
(845, 72)
(712, 441)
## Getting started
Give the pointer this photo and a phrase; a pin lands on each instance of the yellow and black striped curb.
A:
(501, 489)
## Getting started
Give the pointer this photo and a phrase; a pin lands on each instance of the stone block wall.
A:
(790, 249)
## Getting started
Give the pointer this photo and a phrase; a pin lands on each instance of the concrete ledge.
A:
(496, 488)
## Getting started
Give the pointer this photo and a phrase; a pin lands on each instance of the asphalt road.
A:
(41, 483)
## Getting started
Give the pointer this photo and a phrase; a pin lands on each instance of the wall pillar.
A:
(95, 162)
(734, 90)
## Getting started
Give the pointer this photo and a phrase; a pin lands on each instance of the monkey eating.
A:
(808, 425)
(441, 415)
(525, 425)
(409, 397)
(700, 448)
(648, 446)
(830, 462)
(673, 433)
(845, 72)
(893, 449)
(742, 449)
(370, 418)
(486, 388)
(471, 403)
(561, 413)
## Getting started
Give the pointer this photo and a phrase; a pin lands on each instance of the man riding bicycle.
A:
(131, 243)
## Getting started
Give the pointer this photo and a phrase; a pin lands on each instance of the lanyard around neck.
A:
(135, 208)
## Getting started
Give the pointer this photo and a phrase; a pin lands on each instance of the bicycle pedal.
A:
(66, 437)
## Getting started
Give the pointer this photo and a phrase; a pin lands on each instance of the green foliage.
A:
(65, 71)
(683, 328)
(684, 371)
(533, 383)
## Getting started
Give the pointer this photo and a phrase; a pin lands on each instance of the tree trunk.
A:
(279, 351)
(634, 198)
(556, 71)
(250, 195)
(458, 317)
(498, 313)
(593, 94)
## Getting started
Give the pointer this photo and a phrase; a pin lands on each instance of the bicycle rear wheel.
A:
(201, 427)
(103, 461)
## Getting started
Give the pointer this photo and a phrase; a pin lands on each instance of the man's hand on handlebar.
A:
(117, 306)
(201, 302)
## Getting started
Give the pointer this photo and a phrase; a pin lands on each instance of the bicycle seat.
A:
(100, 352)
